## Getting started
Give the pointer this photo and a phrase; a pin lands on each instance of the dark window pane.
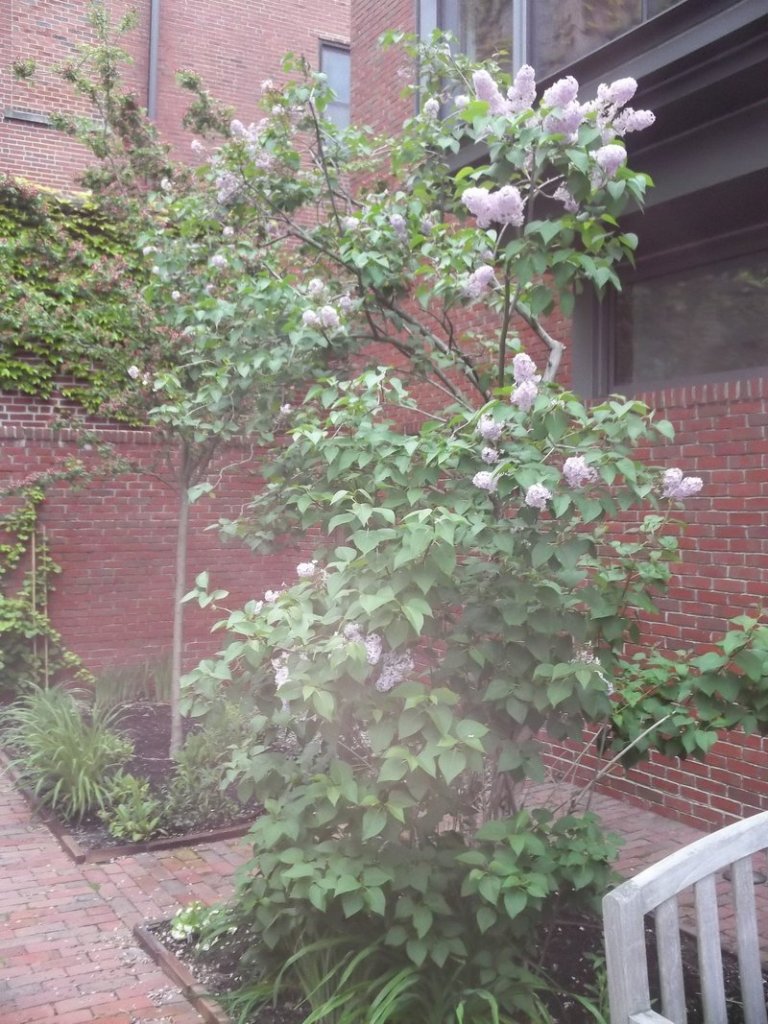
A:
(561, 31)
(706, 320)
(485, 28)
(334, 63)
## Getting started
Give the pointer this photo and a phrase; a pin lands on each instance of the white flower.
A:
(310, 318)
(577, 472)
(488, 428)
(228, 231)
(489, 456)
(270, 596)
(524, 368)
(431, 108)
(537, 496)
(133, 372)
(316, 287)
(306, 570)
(175, 295)
(395, 668)
(524, 395)
(148, 249)
(218, 260)
(329, 318)
(485, 481)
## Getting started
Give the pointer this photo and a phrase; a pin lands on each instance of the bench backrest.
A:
(656, 891)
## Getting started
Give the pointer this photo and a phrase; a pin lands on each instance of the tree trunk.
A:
(179, 589)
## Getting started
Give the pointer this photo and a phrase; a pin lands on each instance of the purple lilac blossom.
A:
(610, 158)
(630, 120)
(310, 318)
(329, 318)
(524, 368)
(678, 487)
(488, 428)
(315, 287)
(279, 664)
(489, 456)
(562, 93)
(477, 201)
(373, 646)
(486, 89)
(564, 120)
(431, 108)
(395, 668)
(306, 570)
(133, 372)
(537, 496)
(270, 596)
(507, 206)
(617, 93)
(218, 260)
(485, 481)
(564, 196)
(350, 223)
(577, 472)
(398, 223)
(480, 281)
(524, 395)
(522, 93)
(346, 303)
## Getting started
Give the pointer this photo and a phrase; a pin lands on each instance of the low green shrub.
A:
(133, 813)
(65, 749)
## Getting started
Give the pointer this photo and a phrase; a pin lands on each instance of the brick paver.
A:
(67, 953)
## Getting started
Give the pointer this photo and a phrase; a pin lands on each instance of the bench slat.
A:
(747, 945)
(670, 961)
(710, 952)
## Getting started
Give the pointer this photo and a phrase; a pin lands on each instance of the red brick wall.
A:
(233, 45)
(378, 76)
(115, 543)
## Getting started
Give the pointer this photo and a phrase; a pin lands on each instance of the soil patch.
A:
(573, 962)
(148, 727)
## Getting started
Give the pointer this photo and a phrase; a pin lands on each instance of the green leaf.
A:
(374, 821)
(486, 918)
(452, 763)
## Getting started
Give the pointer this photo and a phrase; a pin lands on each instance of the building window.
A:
(695, 322)
(334, 64)
(548, 34)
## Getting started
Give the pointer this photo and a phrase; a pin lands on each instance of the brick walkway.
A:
(67, 953)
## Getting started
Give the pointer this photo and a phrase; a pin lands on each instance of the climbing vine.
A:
(31, 650)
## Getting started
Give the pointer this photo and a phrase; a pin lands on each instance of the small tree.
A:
(485, 569)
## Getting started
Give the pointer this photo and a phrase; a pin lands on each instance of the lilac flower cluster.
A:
(537, 496)
(503, 207)
(280, 666)
(395, 668)
(372, 642)
(307, 570)
(488, 428)
(485, 481)
(480, 281)
(577, 472)
(679, 487)
(520, 95)
(526, 381)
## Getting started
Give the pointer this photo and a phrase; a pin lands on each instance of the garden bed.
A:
(573, 963)
(147, 726)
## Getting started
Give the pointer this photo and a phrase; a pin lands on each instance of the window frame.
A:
(337, 46)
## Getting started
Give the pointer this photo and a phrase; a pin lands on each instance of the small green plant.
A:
(132, 813)
(149, 680)
(65, 749)
(194, 797)
(188, 922)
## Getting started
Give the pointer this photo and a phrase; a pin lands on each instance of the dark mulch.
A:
(572, 961)
(148, 726)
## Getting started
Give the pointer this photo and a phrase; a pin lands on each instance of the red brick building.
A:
(687, 333)
(233, 46)
(115, 541)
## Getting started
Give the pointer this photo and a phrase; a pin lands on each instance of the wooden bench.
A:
(656, 891)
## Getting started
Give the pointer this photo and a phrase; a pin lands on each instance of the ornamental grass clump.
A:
(65, 749)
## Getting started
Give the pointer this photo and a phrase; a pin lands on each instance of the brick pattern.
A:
(244, 44)
(66, 945)
(115, 543)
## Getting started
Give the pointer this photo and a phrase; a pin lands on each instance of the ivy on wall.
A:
(67, 269)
